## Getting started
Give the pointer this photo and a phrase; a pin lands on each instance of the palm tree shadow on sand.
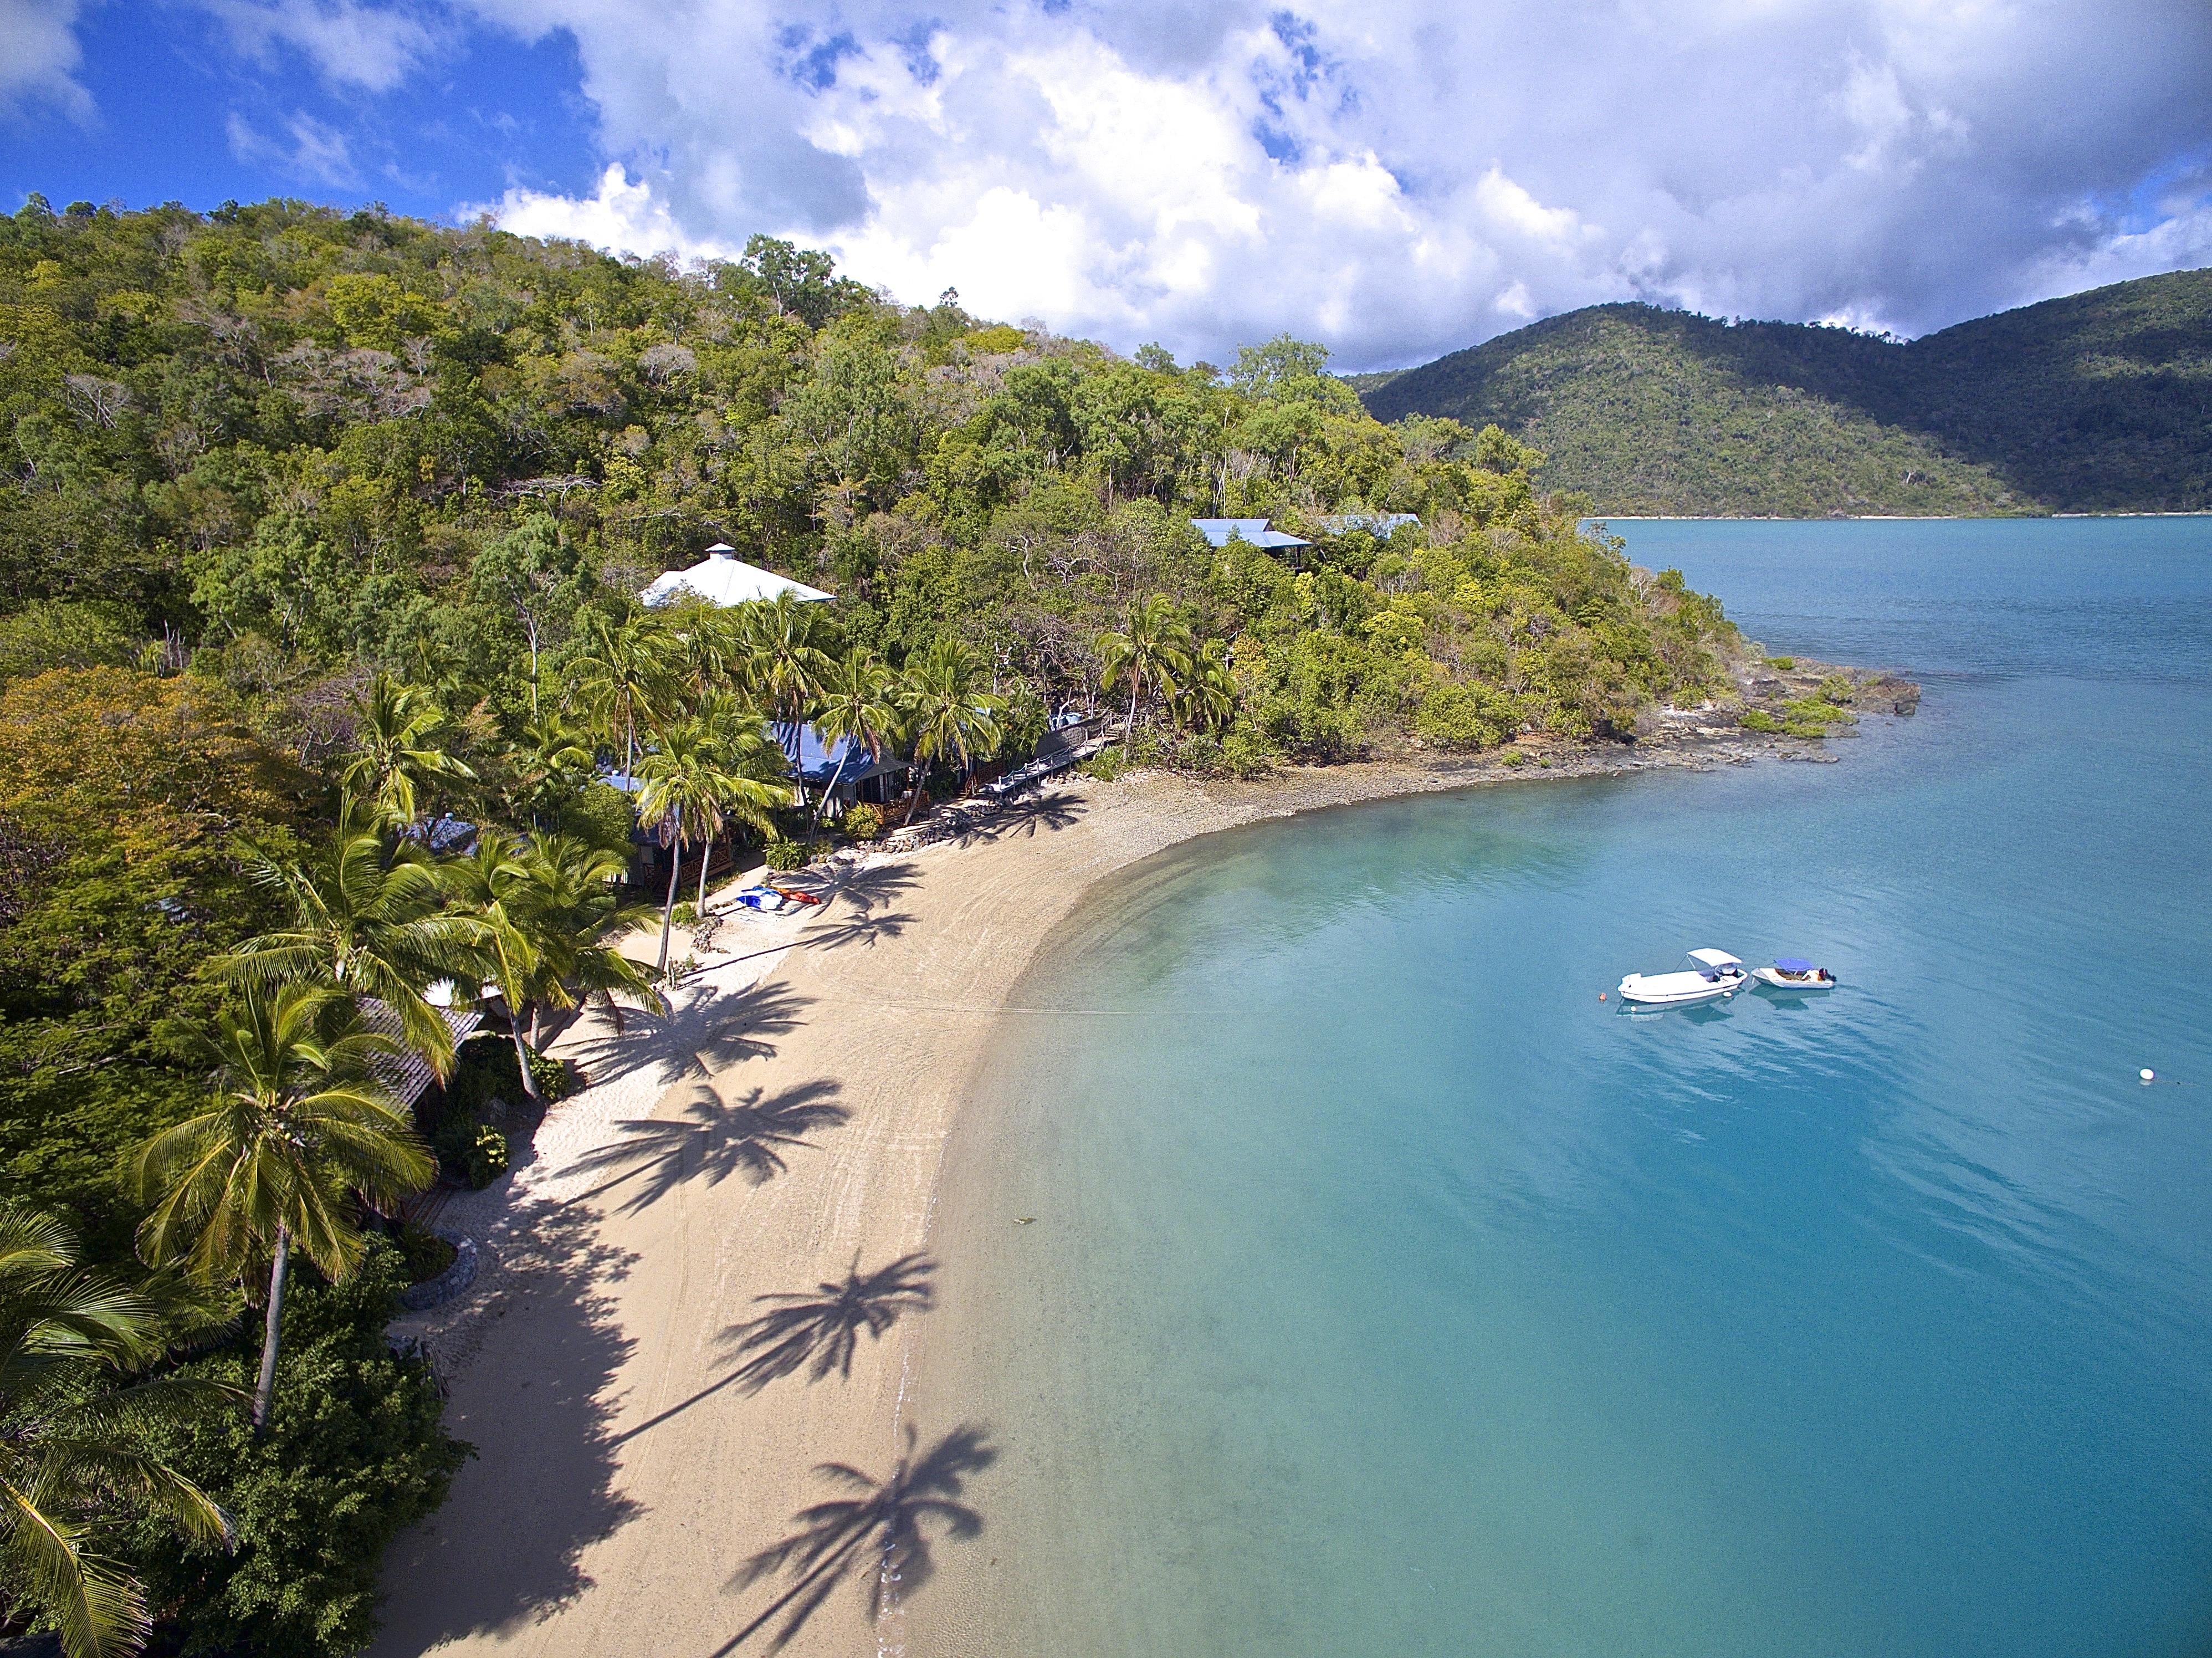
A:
(698, 1037)
(881, 1530)
(817, 1331)
(820, 1329)
(718, 1140)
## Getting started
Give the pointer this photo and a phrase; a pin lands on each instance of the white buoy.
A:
(2148, 1074)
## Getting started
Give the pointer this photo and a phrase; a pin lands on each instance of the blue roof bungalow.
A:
(845, 767)
(1252, 531)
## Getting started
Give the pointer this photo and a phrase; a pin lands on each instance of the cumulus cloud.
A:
(39, 58)
(1401, 177)
(618, 215)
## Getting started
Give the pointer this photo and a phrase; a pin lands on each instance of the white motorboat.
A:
(1792, 973)
(1712, 975)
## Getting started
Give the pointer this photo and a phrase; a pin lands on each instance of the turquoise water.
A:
(1390, 1294)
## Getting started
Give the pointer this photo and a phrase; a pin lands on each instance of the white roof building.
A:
(723, 578)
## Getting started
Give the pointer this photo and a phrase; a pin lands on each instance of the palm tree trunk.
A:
(668, 908)
(706, 858)
(522, 1053)
(266, 1390)
(1129, 732)
(829, 789)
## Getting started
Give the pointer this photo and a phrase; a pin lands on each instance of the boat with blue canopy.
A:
(1794, 973)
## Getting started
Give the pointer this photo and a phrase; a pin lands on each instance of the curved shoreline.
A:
(792, 1119)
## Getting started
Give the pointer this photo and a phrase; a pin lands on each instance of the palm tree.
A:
(755, 765)
(1207, 698)
(857, 706)
(624, 677)
(783, 664)
(696, 780)
(484, 881)
(72, 1461)
(367, 918)
(576, 909)
(710, 644)
(1153, 652)
(397, 750)
(542, 909)
(947, 711)
(297, 1121)
(551, 760)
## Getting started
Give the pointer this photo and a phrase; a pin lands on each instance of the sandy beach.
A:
(646, 1422)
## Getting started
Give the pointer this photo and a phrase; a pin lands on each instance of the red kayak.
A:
(797, 896)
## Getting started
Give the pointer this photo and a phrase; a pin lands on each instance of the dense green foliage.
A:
(355, 1454)
(298, 442)
(2102, 401)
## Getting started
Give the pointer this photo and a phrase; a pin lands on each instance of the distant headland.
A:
(2098, 402)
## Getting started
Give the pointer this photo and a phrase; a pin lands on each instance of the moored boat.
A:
(1793, 973)
(1711, 976)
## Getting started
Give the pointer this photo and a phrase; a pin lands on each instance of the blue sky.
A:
(179, 112)
(1396, 178)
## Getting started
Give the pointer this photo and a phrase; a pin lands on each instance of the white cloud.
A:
(316, 151)
(39, 58)
(1401, 177)
(350, 45)
(618, 215)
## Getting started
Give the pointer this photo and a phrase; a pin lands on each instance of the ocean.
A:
(1386, 1291)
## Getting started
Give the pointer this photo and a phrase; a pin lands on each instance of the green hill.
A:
(2099, 402)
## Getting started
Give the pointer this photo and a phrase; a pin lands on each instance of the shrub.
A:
(1247, 753)
(1835, 689)
(785, 855)
(356, 1452)
(1463, 717)
(1513, 757)
(1148, 748)
(1200, 752)
(425, 1253)
(684, 914)
(486, 1158)
(487, 1070)
(1786, 663)
(1757, 719)
(861, 821)
(1106, 766)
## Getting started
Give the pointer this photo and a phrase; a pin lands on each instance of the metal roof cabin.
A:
(722, 578)
(1218, 532)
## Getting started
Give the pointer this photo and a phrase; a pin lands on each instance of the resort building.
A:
(845, 767)
(1254, 531)
(722, 578)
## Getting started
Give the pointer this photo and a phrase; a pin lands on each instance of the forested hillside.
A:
(2099, 402)
(318, 532)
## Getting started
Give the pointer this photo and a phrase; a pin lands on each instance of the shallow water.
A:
(1388, 1293)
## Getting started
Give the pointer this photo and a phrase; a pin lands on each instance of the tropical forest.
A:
(328, 702)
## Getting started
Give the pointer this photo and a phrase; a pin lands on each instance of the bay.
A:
(1388, 1292)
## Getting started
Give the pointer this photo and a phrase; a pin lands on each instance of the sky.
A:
(1396, 179)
